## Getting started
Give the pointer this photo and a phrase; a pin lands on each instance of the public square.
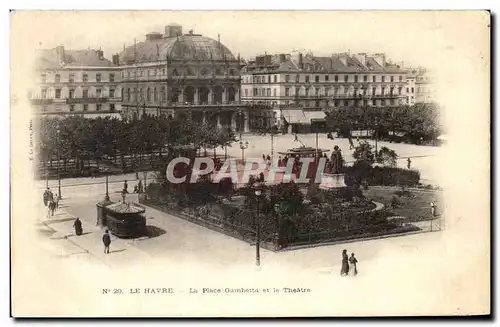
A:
(178, 241)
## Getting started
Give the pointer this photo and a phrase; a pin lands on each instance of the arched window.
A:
(57, 78)
(155, 95)
(148, 94)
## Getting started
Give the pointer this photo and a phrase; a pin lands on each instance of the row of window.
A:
(318, 91)
(71, 94)
(71, 78)
(341, 103)
(85, 107)
(317, 78)
(188, 72)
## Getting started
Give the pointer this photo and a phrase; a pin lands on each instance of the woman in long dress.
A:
(78, 227)
(353, 265)
(345, 264)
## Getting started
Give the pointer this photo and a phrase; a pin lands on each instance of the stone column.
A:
(196, 95)
(224, 96)
(218, 121)
(181, 97)
(233, 121)
(237, 96)
(210, 95)
(245, 123)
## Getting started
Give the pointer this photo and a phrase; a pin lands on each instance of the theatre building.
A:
(181, 74)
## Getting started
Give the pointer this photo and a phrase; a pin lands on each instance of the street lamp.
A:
(257, 241)
(241, 114)
(243, 146)
(107, 193)
(58, 164)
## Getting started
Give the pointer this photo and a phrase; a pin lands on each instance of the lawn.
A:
(415, 205)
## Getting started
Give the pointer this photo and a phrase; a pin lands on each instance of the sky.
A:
(410, 37)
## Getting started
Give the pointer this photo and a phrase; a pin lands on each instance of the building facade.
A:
(424, 87)
(183, 74)
(76, 82)
(411, 88)
(298, 88)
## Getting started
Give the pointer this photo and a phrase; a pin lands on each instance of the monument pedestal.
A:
(332, 181)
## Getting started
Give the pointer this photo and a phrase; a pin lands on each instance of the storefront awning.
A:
(295, 116)
(315, 115)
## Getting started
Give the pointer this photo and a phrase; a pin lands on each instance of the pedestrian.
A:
(58, 197)
(50, 195)
(106, 240)
(344, 271)
(409, 163)
(52, 207)
(125, 187)
(46, 197)
(280, 162)
(78, 227)
(136, 175)
(353, 265)
(263, 157)
(136, 189)
(433, 208)
(140, 188)
(49, 206)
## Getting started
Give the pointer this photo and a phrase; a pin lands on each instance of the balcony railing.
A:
(41, 101)
(86, 100)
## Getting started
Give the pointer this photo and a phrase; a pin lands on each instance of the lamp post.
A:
(376, 136)
(107, 194)
(58, 163)
(240, 114)
(243, 146)
(257, 241)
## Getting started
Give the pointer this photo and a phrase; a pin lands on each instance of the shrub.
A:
(387, 176)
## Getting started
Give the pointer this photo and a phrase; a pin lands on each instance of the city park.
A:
(370, 195)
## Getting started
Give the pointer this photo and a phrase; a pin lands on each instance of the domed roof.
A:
(190, 46)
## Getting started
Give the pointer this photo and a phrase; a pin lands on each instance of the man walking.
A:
(409, 163)
(106, 240)
(433, 209)
(125, 187)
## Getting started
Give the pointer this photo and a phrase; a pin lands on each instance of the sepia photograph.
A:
(250, 163)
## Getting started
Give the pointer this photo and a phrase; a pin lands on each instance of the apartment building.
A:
(296, 89)
(76, 82)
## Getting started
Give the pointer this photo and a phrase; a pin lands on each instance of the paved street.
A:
(181, 242)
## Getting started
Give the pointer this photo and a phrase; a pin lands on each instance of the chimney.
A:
(153, 36)
(343, 58)
(259, 60)
(60, 54)
(116, 59)
(380, 59)
(173, 30)
(100, 54)
(267, 60)
(361, 57)
(282, 57)
(300, 61)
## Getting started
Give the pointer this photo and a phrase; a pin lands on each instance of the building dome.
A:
(185, 47)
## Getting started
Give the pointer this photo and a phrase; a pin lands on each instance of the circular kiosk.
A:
(126, 220)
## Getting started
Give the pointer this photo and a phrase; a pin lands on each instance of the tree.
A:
(387, 157)
(363, 154)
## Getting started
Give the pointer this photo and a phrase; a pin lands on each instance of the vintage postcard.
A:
(250, 163)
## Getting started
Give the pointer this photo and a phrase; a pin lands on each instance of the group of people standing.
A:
(349, 264)
(50, 201)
